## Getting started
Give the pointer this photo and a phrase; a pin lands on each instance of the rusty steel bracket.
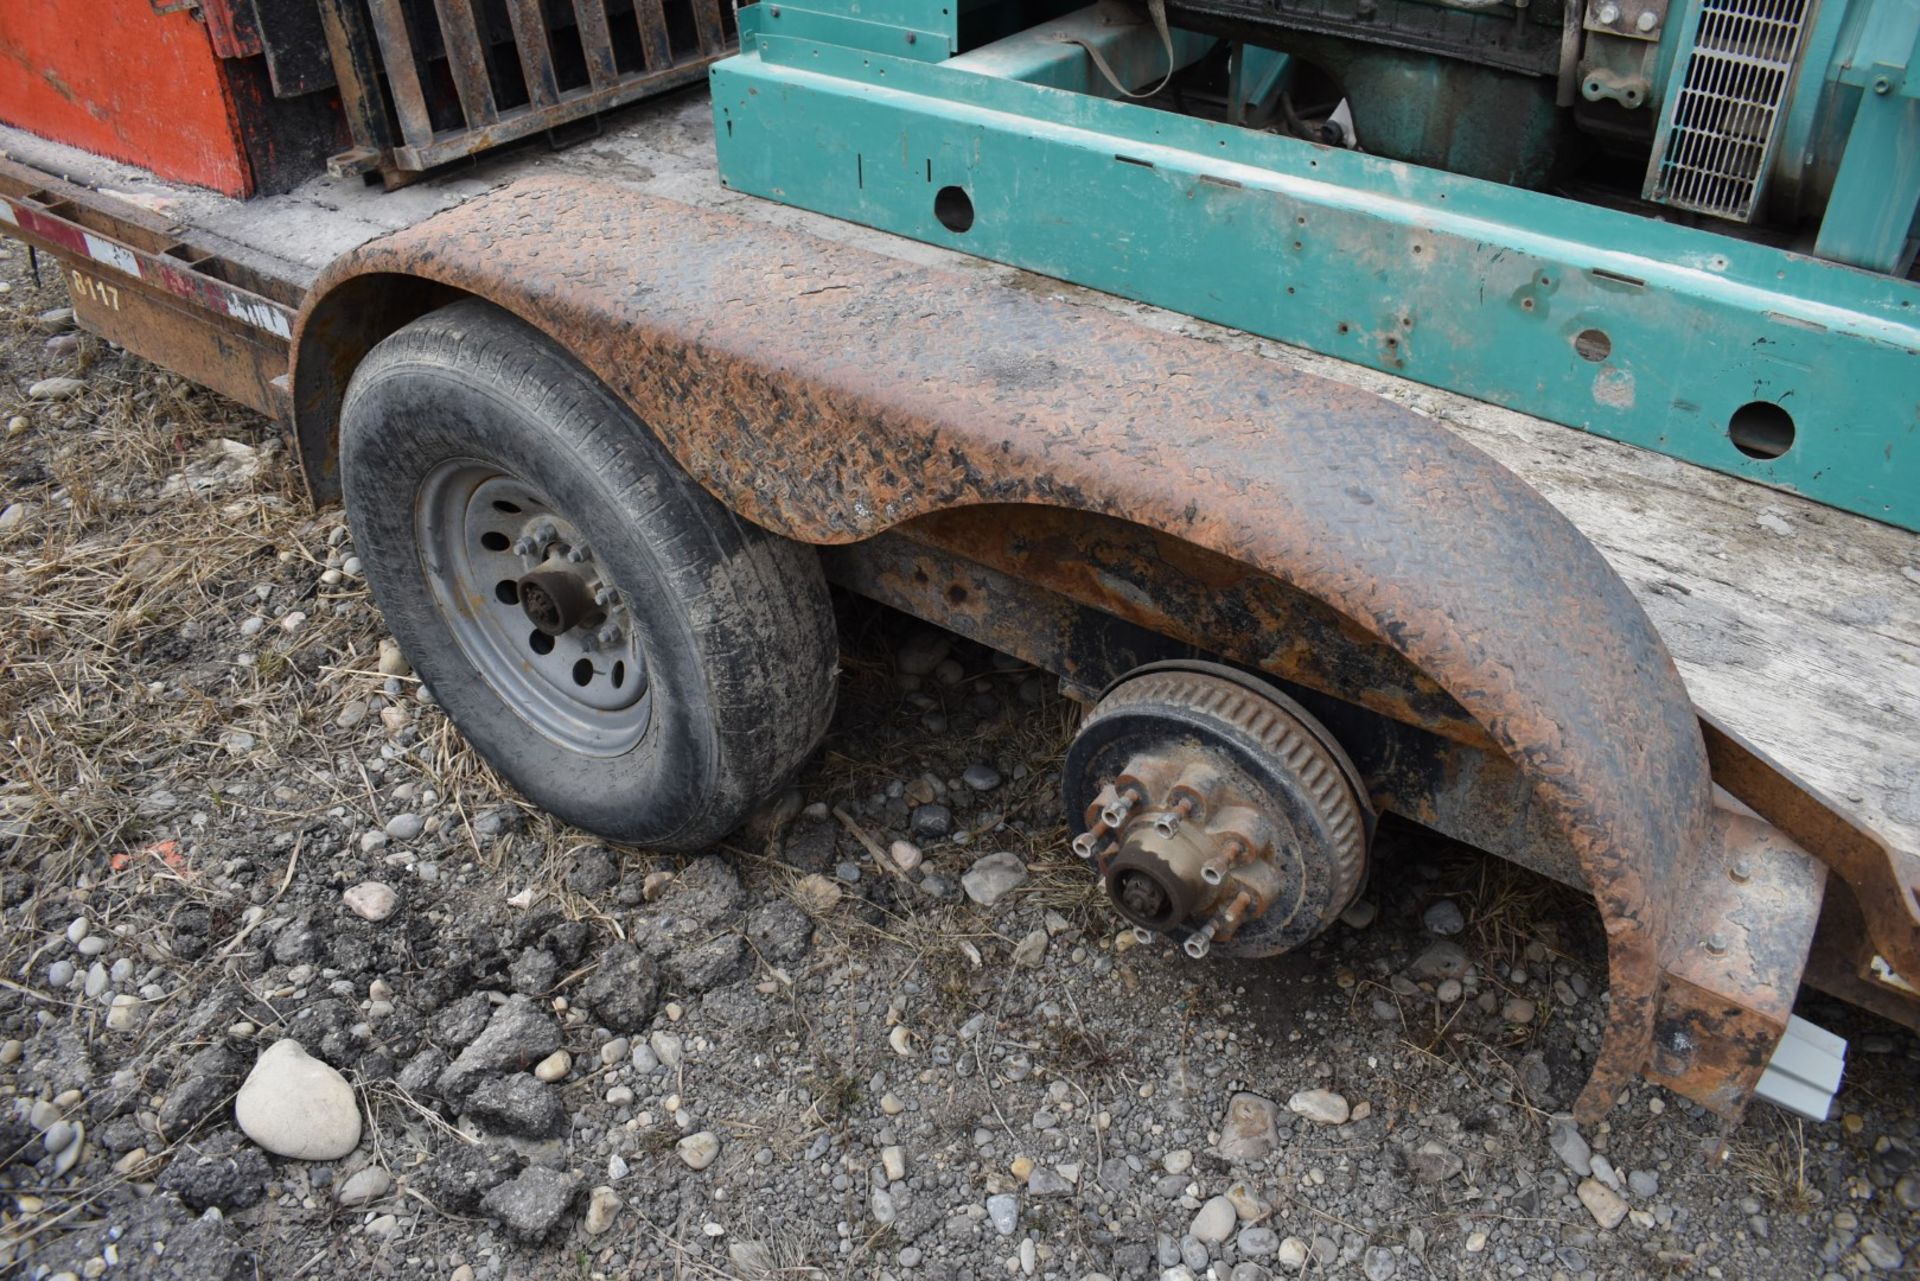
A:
(1884, 883)
(827, 393)
(1742, 927)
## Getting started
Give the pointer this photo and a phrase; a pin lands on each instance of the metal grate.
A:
(1717, 138)
(424, 83)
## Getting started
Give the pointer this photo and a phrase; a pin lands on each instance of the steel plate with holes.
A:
(577, 675)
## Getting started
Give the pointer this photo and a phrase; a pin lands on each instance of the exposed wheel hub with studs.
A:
(1217, 811)
(532, 607)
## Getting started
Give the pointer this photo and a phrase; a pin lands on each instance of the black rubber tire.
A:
(735, 622)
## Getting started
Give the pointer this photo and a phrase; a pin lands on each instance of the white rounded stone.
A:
(294, 1105)
(371, 900)
(699, 1150)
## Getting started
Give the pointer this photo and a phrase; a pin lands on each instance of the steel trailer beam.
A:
(1776, 366)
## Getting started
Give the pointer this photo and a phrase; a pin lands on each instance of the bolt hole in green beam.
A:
(1779, 367)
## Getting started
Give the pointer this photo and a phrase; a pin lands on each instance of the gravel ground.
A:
(888, 1030)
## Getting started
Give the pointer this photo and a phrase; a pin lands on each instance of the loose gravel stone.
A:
(518, 1105)
(699, 1150)
(981, 778)
(294, 1105)
(1881, 1252)
(780, 931)
(532, 1203)
(1257, 1243)
(625, 991)
(1434, 1162)
(362, 1186)
(517, 1035)
(603, 1206)
(1439, 961)
(993, 877)
(1605, 1205)
(1215, 1221)
(1444, 918)
(1003, 1211)
(405, 827)
(1323, 1107)
(225, 1172)
(371, 900)
(1251, 1128)
(1567, 1144)
(56, 389)
(1044, 1184)
(931, 821)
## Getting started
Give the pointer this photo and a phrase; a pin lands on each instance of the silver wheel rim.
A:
(491, 543)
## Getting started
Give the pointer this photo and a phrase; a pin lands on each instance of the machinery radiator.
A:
(1718, 134)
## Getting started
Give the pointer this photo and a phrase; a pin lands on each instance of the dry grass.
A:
(1770, 1153)
(115, 575)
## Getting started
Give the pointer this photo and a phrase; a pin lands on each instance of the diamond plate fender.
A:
(827, 393)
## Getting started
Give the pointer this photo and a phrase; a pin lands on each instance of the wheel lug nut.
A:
(577, 555)
(604, 597)
(609, 635)
(524, 547)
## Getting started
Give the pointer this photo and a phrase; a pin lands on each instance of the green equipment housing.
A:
(1689, 227)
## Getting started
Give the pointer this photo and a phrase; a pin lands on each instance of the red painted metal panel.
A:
(120, 80)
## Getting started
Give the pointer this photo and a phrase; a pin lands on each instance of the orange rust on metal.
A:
(231, 359)
(1842, 965)
(375, 54)
(1885, 884)
(1742, 928)
(133, 281)
(1225, 607)
(828, 393)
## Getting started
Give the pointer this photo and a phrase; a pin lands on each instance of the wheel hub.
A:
(557, 601)
(1217, 811)
(531, 606)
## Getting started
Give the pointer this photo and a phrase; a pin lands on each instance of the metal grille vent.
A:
(425, 82)
(1717, 139)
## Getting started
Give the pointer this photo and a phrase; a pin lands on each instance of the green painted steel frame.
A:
(1632, 328)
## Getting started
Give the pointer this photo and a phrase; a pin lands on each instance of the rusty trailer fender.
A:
(829, 394)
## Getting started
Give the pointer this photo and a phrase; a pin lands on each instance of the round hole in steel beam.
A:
(954, 208)
(1593, 344)
(1761, 429)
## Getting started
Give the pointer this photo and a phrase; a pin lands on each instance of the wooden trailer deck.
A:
(1796, 626)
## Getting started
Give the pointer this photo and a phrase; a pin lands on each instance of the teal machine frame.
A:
(1789, 369)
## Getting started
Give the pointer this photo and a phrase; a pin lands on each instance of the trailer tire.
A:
(468, 419)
